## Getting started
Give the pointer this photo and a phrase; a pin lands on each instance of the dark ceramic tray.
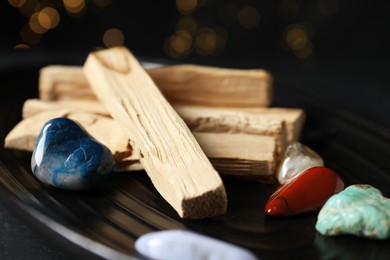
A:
(105, 222)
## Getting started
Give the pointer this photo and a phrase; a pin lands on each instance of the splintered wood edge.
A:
(109, 69)
(194, 208)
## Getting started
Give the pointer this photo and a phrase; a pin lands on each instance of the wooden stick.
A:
(186, 84)
(34, 106)
(294, 117)
(63, 82)
(198, 119)
(172, 158)
(241, 155)
(237, 154)
(207, 86)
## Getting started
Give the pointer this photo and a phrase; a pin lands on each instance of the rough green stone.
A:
(359, 210)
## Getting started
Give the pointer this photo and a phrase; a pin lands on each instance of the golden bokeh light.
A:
(74, 6)
(113, 37)
(187, 23)
(48, 18)
(179, 45)
(297, 39)
(181, 42)
(249, 17)
(44, 15)
(44, 20)
(35, 25)
(186, 6)
(206, 41)
(17, 3)
(22, 46)
(193, 32)
(295, 36)
(102, 3)
(221, 40)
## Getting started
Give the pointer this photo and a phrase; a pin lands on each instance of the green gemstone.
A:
(359, 210)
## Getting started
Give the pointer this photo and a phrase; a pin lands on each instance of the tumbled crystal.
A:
(67, 157)
(182, 244)
(306, 193)
(359, 210)
(297, 158)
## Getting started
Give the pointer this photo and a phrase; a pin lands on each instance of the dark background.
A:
(334, 50)
(330, 27)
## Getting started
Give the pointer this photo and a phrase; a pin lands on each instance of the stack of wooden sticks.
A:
(227, 111)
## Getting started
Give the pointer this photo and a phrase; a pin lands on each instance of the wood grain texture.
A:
(210, 86)
(183, 84)
(173, 159)
(294, 117)
(198, 119)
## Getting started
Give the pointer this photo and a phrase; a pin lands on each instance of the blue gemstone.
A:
(67, 157)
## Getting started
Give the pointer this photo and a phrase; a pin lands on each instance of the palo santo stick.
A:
(186, 84)
(236, 154)
(207, 86)
(242, 155)
(198, 119)
(172, 158)
(230, 121)
(294, 117)
(63, 82)
(34, 106)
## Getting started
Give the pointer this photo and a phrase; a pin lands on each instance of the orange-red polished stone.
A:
(306, 193)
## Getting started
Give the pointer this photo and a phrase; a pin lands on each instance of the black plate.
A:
(106, 222)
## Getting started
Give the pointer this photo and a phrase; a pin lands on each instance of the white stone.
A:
(181, 244)
(297, 158)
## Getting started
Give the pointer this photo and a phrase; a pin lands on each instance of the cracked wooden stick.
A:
(168, 151)
(198, 119)
(294, 117)
(185, 84)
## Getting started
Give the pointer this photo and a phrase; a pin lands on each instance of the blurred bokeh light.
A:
(204, 28)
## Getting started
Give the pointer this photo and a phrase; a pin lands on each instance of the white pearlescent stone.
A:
(297, 158)
(181, 244)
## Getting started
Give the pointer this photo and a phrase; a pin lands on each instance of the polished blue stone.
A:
(67, 157)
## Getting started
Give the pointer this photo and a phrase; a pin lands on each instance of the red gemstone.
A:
(306, 193)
